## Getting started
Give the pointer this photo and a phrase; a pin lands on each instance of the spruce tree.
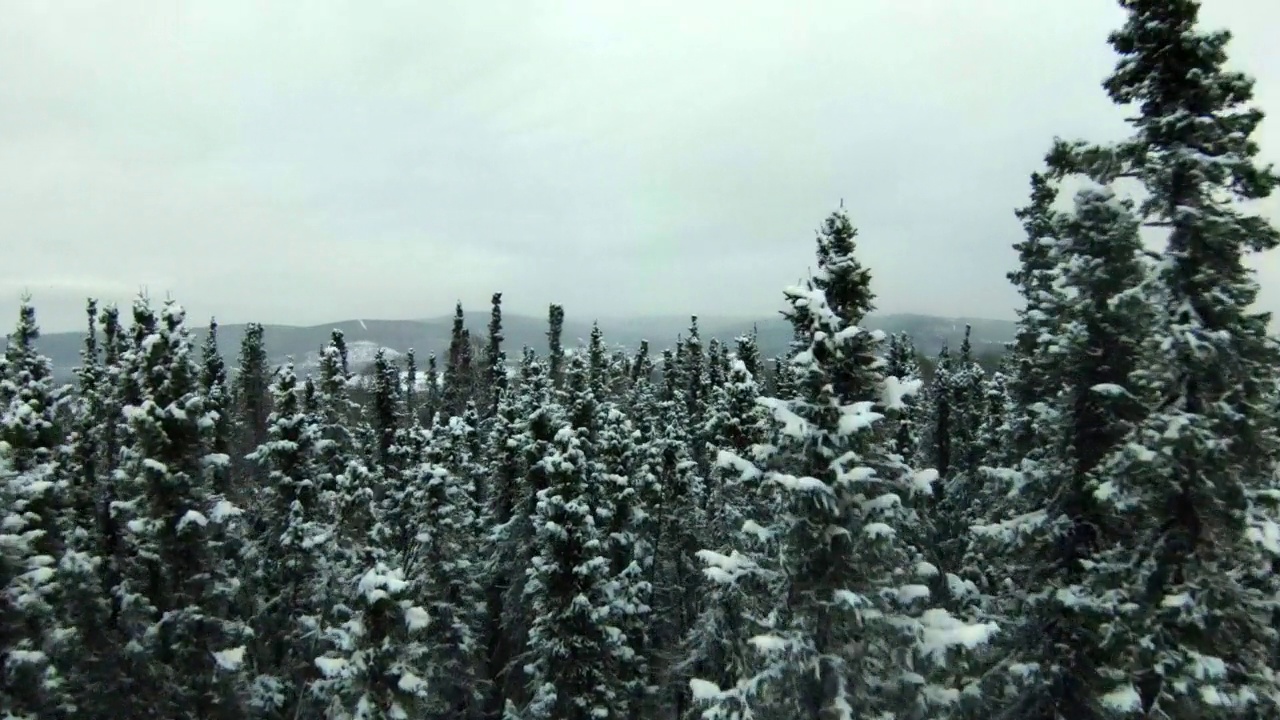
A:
(34, 528)
(375, 666)
(495, 359)
(252, 401)
(904, 428)
(186, 650)
(1039, 317)
(570, 659)
(459, 375)
(1063, 542)
(555, 345)
(506, 468)
(294, 560)
(86, 650)
(410, 408)
(387, 410)
(740, 589)
(855, 619)
(217, 394)
(1198, 483)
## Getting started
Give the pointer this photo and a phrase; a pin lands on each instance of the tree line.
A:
(1088, 530)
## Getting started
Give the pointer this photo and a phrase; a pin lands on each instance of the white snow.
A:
(155, 466)
(756, 530)
(703, 690)
(217, 460)
(907, 593)
(416, 618)
(725, 569)
(730, 461)
(331, 666)
(878, 530)
(229, 659)
(192, 517)
(223, 510)
(768, 643)
(941, 631)
(380, 582)
(792, 424)
(1123, 699)
(895, 391)
(922, 481)
(411, 683)
(850, 598)
(1267, 534)
(857, 417)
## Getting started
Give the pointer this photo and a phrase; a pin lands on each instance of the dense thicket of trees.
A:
(1087, 530)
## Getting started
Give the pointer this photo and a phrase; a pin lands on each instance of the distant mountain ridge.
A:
(428, 336)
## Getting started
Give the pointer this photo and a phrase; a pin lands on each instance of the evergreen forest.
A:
(1089, 531)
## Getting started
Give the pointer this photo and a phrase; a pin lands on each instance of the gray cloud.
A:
(303, 162)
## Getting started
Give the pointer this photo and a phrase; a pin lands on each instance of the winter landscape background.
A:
(845, 514)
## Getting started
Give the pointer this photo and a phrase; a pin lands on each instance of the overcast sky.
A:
(303, 162)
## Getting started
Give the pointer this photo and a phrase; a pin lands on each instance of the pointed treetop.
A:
(846, 284)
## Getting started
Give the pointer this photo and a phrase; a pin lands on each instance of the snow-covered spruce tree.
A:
(994, 437)
(186, 651)
(646, 463)
(571, 661)
(904, 426)
(1039, 318)
(376, 662)
(501, 462)
(739, 588)
(431, 391)
(935, 444)
(964, 482)
(85, 647)
(597, 378)
(293, 564)
(499, 550)
(252, 395)
(411, 389)
(115, 390)
(387, 412)
(621, 514)
(641, 364)
(784, 379)
(969, 406)
(495, 360)
(695, 391)
(34, 528)
(679, 509)
(539, 416)
(341, 473)
(555, 345)
(1198, 485)
(220, 403)
(717, 367)
(459, 373)
(855, 631)
(748, 353)
(450, 539)
(1062, 547)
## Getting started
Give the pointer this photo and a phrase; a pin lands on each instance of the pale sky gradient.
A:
(303, 162)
